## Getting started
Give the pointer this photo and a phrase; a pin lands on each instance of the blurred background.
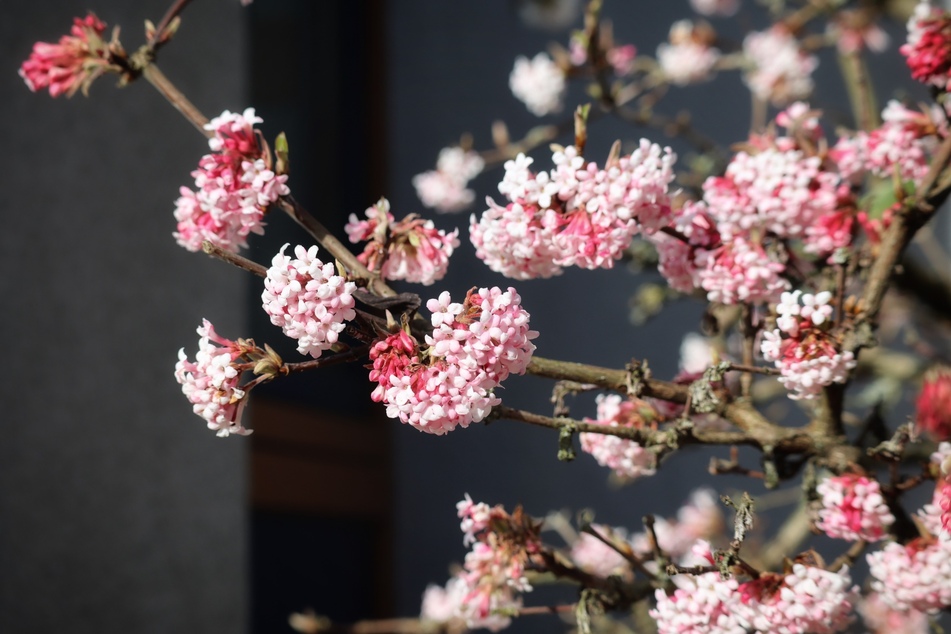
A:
(119, 511)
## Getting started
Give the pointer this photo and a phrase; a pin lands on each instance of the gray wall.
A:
(119, 511)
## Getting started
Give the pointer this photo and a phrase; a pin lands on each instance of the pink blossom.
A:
(928, 48)
(934, 404)
(73, 63)
(905, 140)
(715, 7)
(211, 382)
(517, 240)
(539, 83)
(307, 299)
(802, 348)
(474, 347)
(782, 71)
(677, 257)
(627, 458)
(856, 31)
(494, 571)
(806, 600)
(853, 508)
(916, 576)
(740, 271)
(689, 57)
(594, 556)
(701, 604)
(882, 619)
(444, 189)
(442, 605)
(235, 185)
(575, 215)
(412, 250)
(776, 190)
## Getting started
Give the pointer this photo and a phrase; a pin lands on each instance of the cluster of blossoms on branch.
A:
(449, 382)
(73, 63)
(790, 209)
(577, 214)
(234, 186)
(412, 250)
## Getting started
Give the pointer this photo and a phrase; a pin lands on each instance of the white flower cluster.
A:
(539, 83)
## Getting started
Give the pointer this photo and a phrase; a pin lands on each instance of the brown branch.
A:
(643, 436)
(234, 259)
(341, 357)
(175, 97)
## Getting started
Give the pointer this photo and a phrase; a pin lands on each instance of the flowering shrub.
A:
(792, 239)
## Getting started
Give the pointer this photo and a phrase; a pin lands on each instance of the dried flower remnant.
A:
(234, 187)
(73, 63)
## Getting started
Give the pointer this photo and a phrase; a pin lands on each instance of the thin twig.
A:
(175, 97)
(342, 357)
(234, 259)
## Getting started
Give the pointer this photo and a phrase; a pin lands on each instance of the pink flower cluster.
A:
(882, 619)
(935, 517)
(852, 508)
(444, 189)
(904, 142)
(575, 215)
(307, 299)
(916, 576)
(627, 458)
(412, 250)
(494, 570)
(733, 244)
(211, 382)
(715, 7)
(934, 404)
(70, 65)
(474, 346)
(690, 56)
(684, 536)
(802, 347)
(806, 599)
(781, 71)
(234, 187)
(539, 83)
(928, 48)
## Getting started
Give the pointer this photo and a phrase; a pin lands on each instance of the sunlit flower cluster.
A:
(852, 508)
(474, 346)
(211, 381)
(307, 299)
(233, 187)
(575, 215)
(802, 347)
